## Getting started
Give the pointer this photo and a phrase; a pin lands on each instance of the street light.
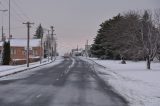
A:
(3, 11)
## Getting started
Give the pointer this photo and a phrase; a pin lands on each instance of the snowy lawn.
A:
(141, 87)
(7, 70)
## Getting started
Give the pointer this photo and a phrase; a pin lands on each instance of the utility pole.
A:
(3, 11)
(55, 47)
(52, 30)
(86, 48)
(41, 51)
(41, 47)
(9, 19)
(28, 37)
(77, 48)
(48, 45)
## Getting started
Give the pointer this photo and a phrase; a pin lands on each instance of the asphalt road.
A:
(70, 83)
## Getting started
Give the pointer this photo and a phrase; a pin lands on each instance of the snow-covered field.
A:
(141, 87)
(7, 70)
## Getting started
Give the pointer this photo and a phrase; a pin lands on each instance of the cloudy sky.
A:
(75, 21)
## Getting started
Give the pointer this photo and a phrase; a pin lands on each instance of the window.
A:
(13, 51)
(35, 52)
(23, 52)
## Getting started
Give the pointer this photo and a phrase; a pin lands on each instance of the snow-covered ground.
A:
(7, 70)
(141, 87)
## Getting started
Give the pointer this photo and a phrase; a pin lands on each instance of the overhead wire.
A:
(22, 12)
(20, 17)
(6, 7)
(15, 12)
(20, 9)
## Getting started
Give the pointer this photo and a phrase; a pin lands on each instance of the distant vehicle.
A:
(66, 55)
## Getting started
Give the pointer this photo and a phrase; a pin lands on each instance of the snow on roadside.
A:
(7, 70)
(141, 87)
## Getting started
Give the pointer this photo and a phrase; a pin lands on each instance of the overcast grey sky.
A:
(75, 21)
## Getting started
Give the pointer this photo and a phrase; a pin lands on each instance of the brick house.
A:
(19, 50)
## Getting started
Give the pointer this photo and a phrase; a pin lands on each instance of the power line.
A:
(4, 6)
(15, 12)
(21, 10)
(19, 16)
(14, 28)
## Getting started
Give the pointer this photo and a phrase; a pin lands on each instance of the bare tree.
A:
(149, 37)
(157, 24)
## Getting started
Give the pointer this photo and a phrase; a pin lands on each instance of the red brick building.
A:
(19, 50)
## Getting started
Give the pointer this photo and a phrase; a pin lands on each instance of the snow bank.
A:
(9, 70)
(141, 87)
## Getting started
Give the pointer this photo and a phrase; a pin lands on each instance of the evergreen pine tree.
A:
(105, 39)
(6, 53)
(39, 32)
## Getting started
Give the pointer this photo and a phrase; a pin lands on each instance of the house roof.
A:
(23, 42)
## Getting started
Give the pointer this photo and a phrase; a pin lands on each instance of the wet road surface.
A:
(70, 83)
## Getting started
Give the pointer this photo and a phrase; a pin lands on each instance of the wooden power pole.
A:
(52, 30)
(28, 37)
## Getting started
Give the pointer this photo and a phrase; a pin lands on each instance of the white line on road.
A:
(38, 96)
(72, 65)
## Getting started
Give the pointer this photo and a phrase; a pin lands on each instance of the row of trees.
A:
(132, 36)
